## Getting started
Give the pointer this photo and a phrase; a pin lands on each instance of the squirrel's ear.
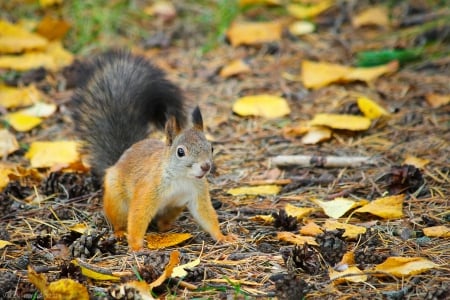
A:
(172, 130)
(197, 119)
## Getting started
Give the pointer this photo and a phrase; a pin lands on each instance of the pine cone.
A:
(368, 256)
(123, 292)
(332, 246)
(87, 245)
(291, 287)
(283, 220)
(441, 293)
(69, 185)
(8, 281)
(370, 238)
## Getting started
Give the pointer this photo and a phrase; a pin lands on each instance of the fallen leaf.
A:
(437, 231)
(15, 39)
(61, 57)
(40, 109)
(142, 287)
(27, 61)
(339, 206)
(316, 134)
(348, 258)
(52, 28)
(180, 271)
(267, 219)
(163, 9)
(298, 212)
(267, 106)
(47, 3)
(376, 15)
(369, 74)
(351, 231)
(254, 33)
(253, 2)
(173, 261)
(405, 266)
(48, 154)
(255, 190)
(295, 130)
(92, 273)
(390, 207)
(311, 229)
(300, 11)
(336, 121)
(437, 100)
(3, 244)
(22, 122)
(235, 67)
(370, 108)
(301, 27)
(11, 97)
(342, 277)
(63, 289)
(417, 162)
(79, 227)
(8, 143)
(164, 240)
(296, 239)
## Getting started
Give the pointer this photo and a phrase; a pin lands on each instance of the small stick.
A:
(321, 161)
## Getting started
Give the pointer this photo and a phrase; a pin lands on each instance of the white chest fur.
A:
(181, 192)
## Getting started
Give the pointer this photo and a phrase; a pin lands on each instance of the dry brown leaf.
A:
(437, 231)
(437, 100)
(376, 15)
(254, 33)
(235, 67)
(348, 122)
(390, 207)
(8, 143)
(164, 240)
(52, 28)
(295, 238)
(316, 134)
(351, 231)
(405, 266)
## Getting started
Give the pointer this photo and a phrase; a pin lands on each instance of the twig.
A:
(321, 161)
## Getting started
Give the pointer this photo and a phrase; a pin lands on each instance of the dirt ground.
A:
(259, 265)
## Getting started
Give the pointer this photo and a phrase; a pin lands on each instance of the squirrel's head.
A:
(190, 151)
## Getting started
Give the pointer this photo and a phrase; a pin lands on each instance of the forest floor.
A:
(39, 211)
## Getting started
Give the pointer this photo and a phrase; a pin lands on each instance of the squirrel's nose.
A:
(206, 166)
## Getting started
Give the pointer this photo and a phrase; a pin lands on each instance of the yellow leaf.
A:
(376, 15)
(262, 218)
(180, 271)
(173, 261)
(301, 27)
(405, 266)
(351, 231)
(417, 162)
(63, 289)
(15, 39)
(339, 206)
(295, 238)
(437, 231)
(49, 154)
(164, 240)
(161, 8)
(319, 74)
(437, 100)
(86, 271)
(349, 122)
(340, 277)
(305, 12)
(22, 122)
(79, 227)
(252, 2)
(254, 33)
(316, 134)
(316, 74)
(266, 106)
(8, 143)
(298, 212)
(255, 190)
(235, 67)
(4, 176)
(3, 244)
(52, 28)
(311, 228)
(370, 108)
(11, 97)
(61, 57)
(47, 3)
(27, 61)
(390, 207)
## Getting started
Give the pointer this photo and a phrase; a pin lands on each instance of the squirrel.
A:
(144, 179)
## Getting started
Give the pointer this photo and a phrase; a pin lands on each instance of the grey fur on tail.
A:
(118, 98)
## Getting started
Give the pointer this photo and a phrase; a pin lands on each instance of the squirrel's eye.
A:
(180, 152)
(212, 149)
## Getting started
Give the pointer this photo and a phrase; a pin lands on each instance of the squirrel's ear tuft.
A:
(172, 130)
(197, 119)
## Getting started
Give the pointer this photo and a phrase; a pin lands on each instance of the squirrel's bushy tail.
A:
(118, 98)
